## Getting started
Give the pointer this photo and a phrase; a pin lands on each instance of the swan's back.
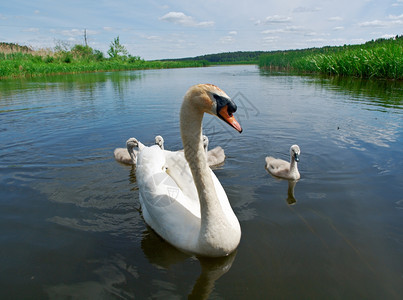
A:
(123, 156)
(215, 156)
(277, 167)
(169, 202)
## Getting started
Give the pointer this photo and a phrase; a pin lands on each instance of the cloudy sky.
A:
(181, 28)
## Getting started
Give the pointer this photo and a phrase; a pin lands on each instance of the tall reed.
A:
(375, 59)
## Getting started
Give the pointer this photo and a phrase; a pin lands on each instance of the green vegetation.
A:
(382, 58)
(21, 61)
(239, 57)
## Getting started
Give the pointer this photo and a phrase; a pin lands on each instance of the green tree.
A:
(117, 50)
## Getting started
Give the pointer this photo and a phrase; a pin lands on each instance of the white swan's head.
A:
(212, 100)
(159, 141)
(295, 152)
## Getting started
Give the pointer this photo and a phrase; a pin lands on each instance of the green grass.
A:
(376, 59)
(33, 66)
(77, 60)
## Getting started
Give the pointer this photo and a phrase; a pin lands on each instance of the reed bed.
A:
(375, 59)
(34, 68)
(19, 61)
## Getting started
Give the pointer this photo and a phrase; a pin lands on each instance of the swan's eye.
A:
(223, 101)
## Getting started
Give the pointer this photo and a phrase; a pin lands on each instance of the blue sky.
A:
(173, 29)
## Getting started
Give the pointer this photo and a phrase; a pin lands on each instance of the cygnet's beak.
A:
(296, 157)
(229, 118)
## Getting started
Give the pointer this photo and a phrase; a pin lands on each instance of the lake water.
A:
(70, 225)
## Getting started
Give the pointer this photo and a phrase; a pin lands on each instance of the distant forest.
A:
(254, 57)
(227, 57)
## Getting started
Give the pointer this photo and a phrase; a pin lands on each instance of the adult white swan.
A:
(282, 168)
(180, 197)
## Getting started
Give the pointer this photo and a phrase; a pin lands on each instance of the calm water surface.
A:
(70, 225)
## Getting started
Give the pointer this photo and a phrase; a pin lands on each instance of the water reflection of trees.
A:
(378, 92)
(89, 83)
(382, 93)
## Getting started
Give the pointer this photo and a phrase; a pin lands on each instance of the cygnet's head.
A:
(132, 143)
(295, 152)
(159, 141)
(205, 142)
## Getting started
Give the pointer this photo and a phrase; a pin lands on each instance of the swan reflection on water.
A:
(162, 255)
(290, 192)
(291, 200)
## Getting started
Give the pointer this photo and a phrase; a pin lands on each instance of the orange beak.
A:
(223, 113)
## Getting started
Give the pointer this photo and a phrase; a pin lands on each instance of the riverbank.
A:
(35, 67)
(382, 59)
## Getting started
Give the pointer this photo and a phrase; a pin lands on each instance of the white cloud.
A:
(304, 9)
(287, 29)
(271, 31)
(227, 39)
(72, 32)
(277, 19)
(153, 38)
(318, 40)
(392, 21)
(230, 38)
(312, 33)
(32, 29)
(338, 28)
(270, 38)
(106, 28)
(392, 17)
(181, 19)
(334, 19)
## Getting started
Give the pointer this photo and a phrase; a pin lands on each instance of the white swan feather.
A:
(181, 198)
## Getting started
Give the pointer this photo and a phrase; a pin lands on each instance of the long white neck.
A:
(213, 220)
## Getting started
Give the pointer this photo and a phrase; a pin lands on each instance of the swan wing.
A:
(278, 167)
(179, 170)
(166, 209)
